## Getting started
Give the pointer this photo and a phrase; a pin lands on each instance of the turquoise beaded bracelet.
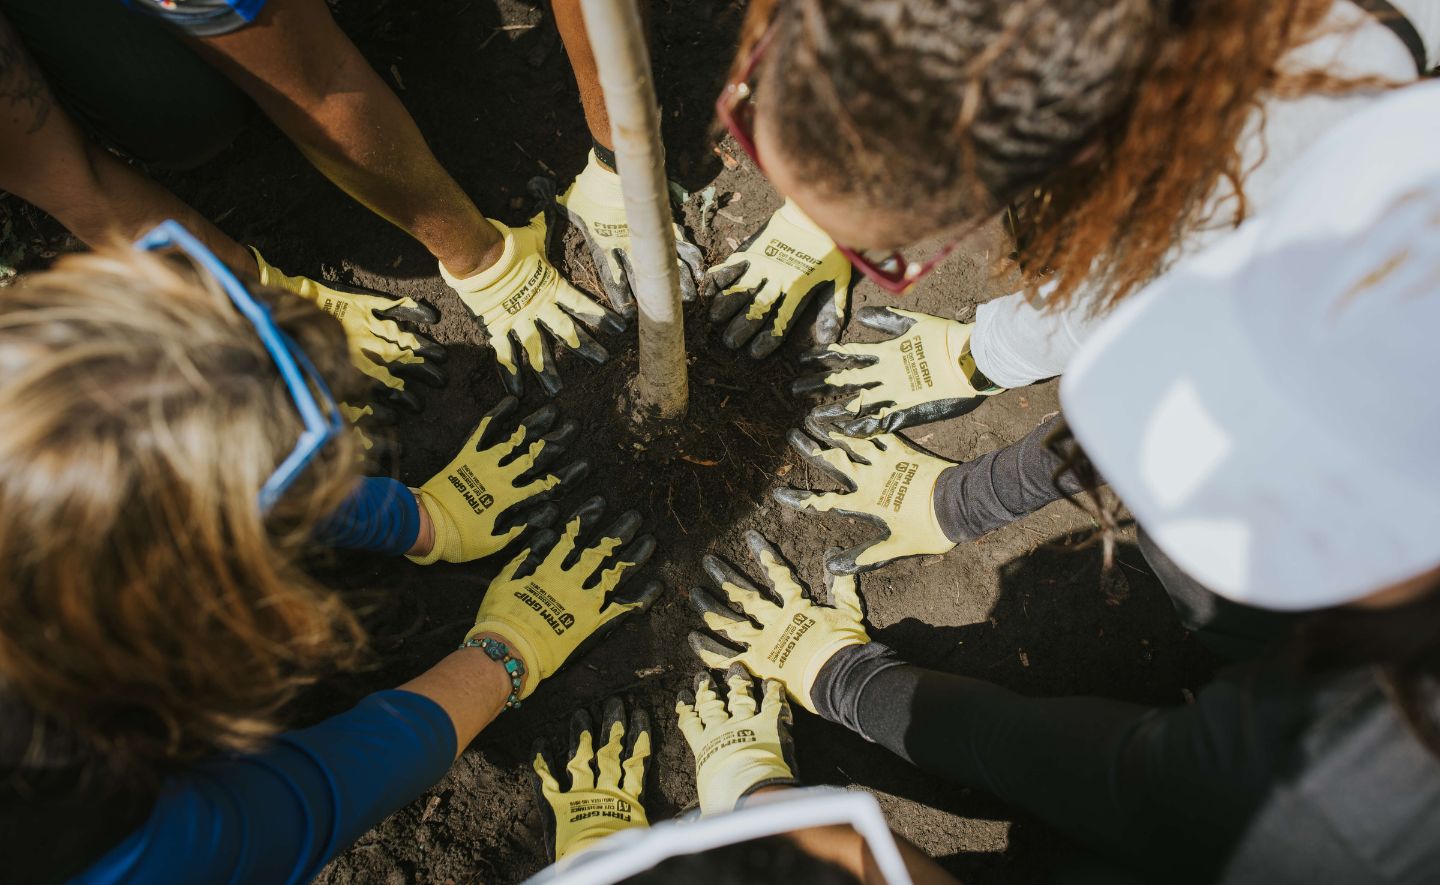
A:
(500, 652)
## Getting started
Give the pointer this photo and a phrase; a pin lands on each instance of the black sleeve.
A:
(1144, 784)
(999, 487)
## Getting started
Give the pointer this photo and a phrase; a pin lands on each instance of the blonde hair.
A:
(147, 608)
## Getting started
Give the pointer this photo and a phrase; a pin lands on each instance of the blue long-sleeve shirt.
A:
(280, 815)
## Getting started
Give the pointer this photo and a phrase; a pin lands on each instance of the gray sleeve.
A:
(999, 487)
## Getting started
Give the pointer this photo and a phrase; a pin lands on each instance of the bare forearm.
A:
(313, 83)
(471, 688)
(108, 198)
(571, 24)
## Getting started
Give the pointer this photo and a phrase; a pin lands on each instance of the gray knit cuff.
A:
(842, 681)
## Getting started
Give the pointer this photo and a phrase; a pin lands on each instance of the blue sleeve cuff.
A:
(381, 516)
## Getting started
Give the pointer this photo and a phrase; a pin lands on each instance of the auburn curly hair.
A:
(1107, 125)
(149, 613)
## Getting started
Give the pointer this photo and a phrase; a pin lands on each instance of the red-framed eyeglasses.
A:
(736, 109)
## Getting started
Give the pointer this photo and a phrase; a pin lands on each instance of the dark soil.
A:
(489, 84)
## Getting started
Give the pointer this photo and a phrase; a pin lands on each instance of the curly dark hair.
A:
(1108, 124)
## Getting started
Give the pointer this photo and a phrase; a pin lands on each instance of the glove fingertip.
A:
(710, 652)
(797, 499)
(580, 725)
(511, 380)
(639, 721)
(647, 597)
(765, 343)
(612, 712)
(844, 563)
(738, 671)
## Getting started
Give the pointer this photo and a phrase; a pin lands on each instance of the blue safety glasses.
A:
(308, 390)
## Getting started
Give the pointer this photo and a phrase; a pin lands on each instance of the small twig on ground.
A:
(670, 503)
(726, 446)
(541, 163)
(711, 382)
(498, 31)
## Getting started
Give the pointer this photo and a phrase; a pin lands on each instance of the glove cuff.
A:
(598, 185)
(843, 679)
(816, 666)
(957, 345)
(478, 283)
(520, 647)
(794, 215)
(755, 776)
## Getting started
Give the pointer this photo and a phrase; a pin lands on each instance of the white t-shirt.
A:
(1015, 343)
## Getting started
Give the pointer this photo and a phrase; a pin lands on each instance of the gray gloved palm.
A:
(888, 482)
(924, 372)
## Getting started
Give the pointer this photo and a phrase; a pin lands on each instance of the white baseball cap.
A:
(1269, 410)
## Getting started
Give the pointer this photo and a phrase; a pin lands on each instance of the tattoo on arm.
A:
(22, 86)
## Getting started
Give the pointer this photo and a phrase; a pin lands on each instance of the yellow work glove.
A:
(604, 793)
(739, 747)
(889, 483)
(795, 639)
(776, 272)
(923, 373)
(355, 415)
(377, 343)
(544, 609)
(522, 294)
(596, 206)
(489, 476)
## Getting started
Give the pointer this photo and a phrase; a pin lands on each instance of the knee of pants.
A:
(175, 136)
(131, 82)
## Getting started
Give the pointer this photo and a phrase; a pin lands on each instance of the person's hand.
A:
(796, 636)
(923, 373)
(889, 483)
(740, 747)
(596, 206)
(491, 476)
(552, 597)
(605, 788)
(378, 346)
(774, 275)
(522, 297)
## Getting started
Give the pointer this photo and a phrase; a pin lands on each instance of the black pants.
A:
(999, 487)
(131, 82)
(1152, 785)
